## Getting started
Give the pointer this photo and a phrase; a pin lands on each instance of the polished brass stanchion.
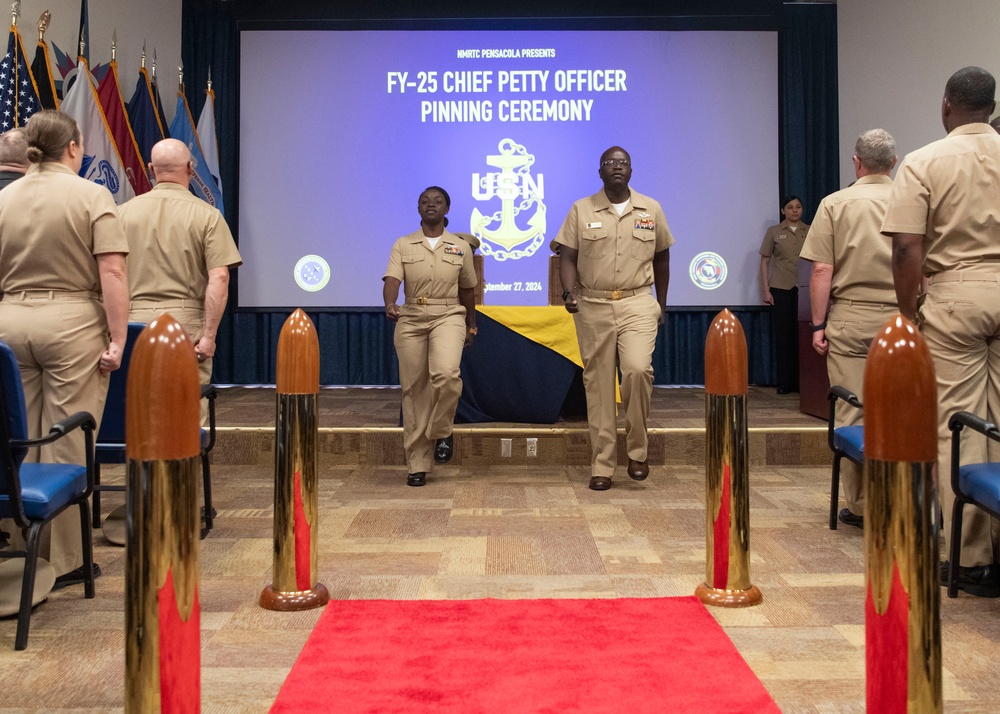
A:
(162, 445)
(296, 474)
(727, 481)
(902, 594)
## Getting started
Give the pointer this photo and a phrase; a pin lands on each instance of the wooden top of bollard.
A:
(725, 356)
(162, 396)
(900, 396)
(297, 365)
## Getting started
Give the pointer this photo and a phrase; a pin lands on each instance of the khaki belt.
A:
(52, 295)
(865, 303)
(610, 294)
(431, 301)
(972, 275)
(165, 304)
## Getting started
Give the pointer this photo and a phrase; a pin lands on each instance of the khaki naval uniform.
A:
(52, 224)
(618, 315)
(782, 245)
(429, 338)
(846, 234)
(175, 238)
(947, 192)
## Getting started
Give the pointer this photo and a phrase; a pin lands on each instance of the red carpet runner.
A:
(502, 656)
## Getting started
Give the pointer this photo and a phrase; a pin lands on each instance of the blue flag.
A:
(182, 128)
(18, 93)
(143, 117)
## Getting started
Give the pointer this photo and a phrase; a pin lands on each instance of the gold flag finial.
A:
(180, 74)
(142, 61)
(83, 45)
(43, 25)
(114, 44)
(15, 12)
(210, 78)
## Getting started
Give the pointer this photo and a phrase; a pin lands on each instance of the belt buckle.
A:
(617, 294)
(421, 301)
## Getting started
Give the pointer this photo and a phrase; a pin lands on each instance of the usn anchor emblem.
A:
(514, 180)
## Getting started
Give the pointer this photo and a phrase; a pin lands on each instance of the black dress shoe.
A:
(443, 449)
(786, 390)
(74, 577)
(979, 580)
(638, 470)
(417, 479)
(600, 483)
(849, 519)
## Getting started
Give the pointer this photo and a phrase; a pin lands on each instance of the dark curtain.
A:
(807, 88)
(356, 346)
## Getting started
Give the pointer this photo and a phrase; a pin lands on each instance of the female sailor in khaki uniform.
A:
(436, 320)
(62, 275)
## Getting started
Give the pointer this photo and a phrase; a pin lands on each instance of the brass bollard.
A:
(727, 481)
(162, 444)
(296, 475)
(902, 594)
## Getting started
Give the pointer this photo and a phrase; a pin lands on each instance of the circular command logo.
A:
(312, 273)
(708, 270)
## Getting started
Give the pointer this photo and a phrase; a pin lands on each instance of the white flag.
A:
(206, 135)
(101, 161)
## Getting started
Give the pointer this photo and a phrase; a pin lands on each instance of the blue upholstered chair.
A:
(110, 446)
(33, 494)
(845, 442)
(976, 484)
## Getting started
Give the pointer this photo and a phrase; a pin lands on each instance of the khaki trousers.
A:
(617, 334)
(429, 340)
(58, 342)
(960, 320)
(850, 329)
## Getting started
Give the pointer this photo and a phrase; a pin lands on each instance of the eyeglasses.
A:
(613, 163)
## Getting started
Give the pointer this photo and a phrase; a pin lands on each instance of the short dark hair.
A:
(971, 89)
(447, 198)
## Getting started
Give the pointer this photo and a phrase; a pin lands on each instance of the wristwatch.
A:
(473, 331)
(566, 294)
(817, 328)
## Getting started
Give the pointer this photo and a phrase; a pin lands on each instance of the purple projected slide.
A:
(340, 131)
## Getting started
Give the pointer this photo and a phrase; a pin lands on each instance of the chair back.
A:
(111, 438)
(13, 425)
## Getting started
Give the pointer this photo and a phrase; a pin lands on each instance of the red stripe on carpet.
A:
(554, 656)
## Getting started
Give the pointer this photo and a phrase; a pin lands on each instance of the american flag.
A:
(18, 93)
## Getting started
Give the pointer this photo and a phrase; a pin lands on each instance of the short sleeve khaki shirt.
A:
(845, 234)
(782, 245)
(934, 196)
(52, 224)
(437, 273)
(615, 252)
(175, 238)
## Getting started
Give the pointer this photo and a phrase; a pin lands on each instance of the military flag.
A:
(182, 128)
(142, 114)
(18, 92)
(42, 70)
(110, 97)
(102, 163)
(206, 134)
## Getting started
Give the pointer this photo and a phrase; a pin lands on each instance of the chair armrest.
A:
(962, 419)
(80, 420)
(837, 392)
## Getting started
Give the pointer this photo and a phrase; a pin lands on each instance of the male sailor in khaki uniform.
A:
(613, 250)
(437, 320)
(944, 219)
(851, 274)
(181, 251)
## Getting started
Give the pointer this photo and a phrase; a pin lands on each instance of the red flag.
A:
(114, 111)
